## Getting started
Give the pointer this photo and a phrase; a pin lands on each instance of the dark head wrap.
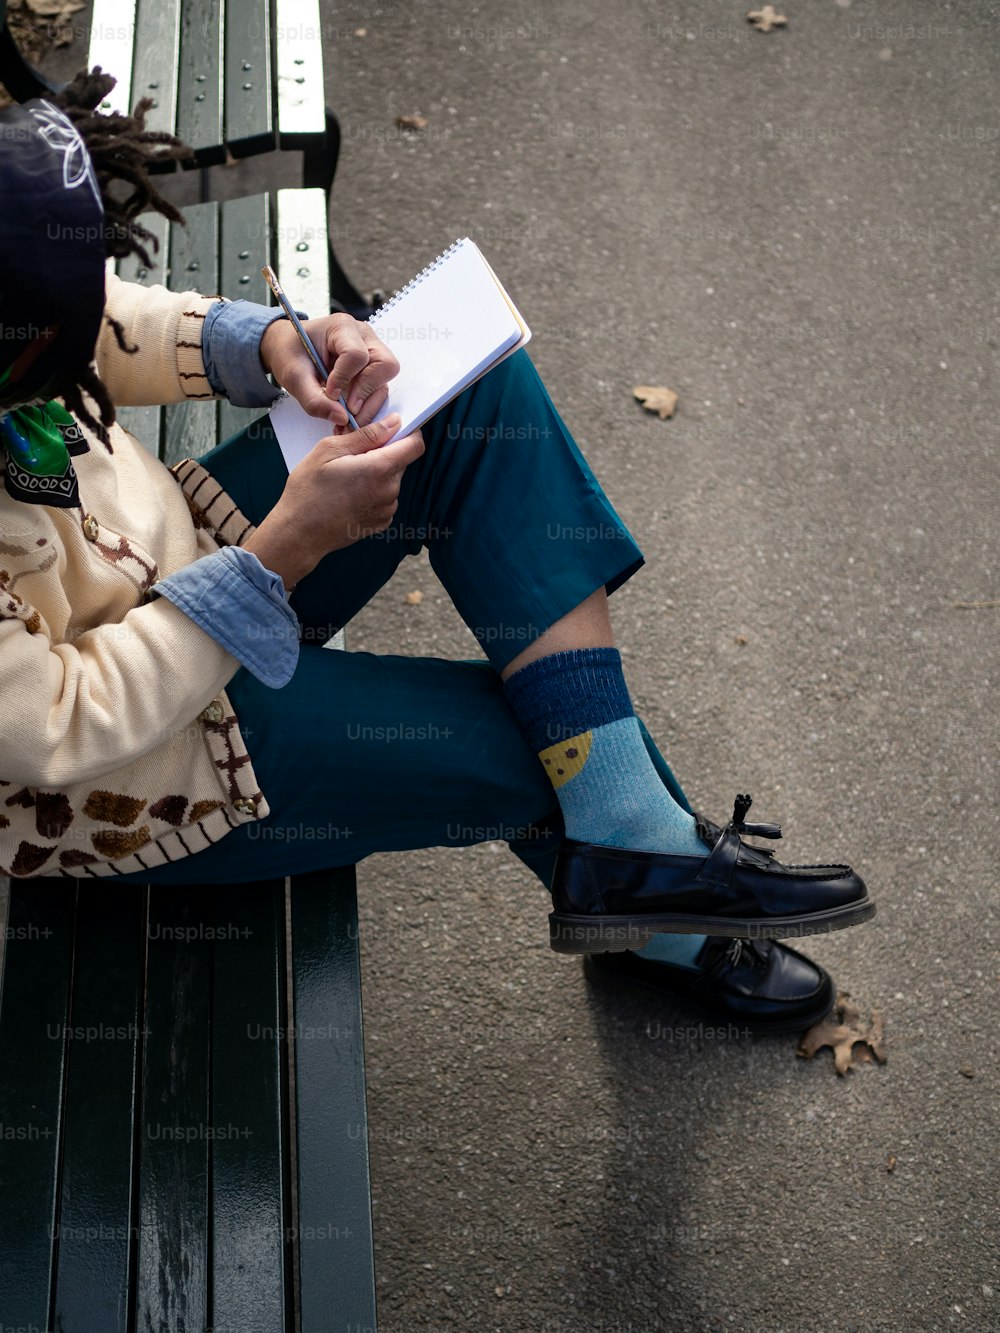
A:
(60, 219)
(53, 252)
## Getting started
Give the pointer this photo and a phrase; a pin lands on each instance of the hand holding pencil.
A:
(298, 353)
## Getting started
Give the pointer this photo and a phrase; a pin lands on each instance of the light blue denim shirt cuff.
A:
(231, 348)
(242, 606)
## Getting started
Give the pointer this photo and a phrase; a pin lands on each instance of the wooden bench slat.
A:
(192, 429)
(112, 43)
(200, 113)
(301, 249)
(172, 1272)
(249, 102)
(298, 60)
(154, 68)
(34, 1015)
(95, 1252)
(336, 1267)
(251, 1214)
(245, 247)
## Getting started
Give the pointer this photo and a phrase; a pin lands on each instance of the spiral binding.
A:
(415, 282)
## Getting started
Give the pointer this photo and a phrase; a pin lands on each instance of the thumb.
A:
(401, 453)
(373, 436)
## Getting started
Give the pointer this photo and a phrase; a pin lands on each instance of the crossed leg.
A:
(362, 753)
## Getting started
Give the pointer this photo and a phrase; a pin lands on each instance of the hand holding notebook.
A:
(446, 328)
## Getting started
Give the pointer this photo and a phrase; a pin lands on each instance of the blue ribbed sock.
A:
(575, 710)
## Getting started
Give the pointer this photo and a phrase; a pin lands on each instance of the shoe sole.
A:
(614, 934)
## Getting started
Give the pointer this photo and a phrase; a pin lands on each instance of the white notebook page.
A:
(446, 328)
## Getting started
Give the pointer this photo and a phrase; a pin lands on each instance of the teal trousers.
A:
(361, 753)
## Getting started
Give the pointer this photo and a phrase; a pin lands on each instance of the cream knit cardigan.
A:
(118, 747)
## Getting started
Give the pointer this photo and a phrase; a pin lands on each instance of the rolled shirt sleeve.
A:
(231, 343)
(243, 607)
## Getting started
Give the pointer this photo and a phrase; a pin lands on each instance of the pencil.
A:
(271, 279)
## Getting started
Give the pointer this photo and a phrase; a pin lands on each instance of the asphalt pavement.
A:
(795, 231)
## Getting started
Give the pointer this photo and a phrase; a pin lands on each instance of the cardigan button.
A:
(245, 806)
(214, 712)
(91, 528)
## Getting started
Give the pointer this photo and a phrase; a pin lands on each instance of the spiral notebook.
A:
(447, 327)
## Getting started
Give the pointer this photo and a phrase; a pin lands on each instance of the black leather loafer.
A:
(760, 985)
(607, 899)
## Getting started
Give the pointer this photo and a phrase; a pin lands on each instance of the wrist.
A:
(232, 339)
(265, 349)
(279, 551)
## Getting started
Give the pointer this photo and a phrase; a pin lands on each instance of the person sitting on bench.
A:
(168, 714)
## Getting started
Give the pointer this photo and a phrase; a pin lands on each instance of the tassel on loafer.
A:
(607, 899)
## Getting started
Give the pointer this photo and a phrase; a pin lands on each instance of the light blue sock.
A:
(575, 710)
(616, 797)
(639, 813)
(681, 950)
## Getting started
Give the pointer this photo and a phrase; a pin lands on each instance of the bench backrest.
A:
(238, 75)
(226, 76)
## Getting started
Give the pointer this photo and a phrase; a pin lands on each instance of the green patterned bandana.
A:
(38, 441)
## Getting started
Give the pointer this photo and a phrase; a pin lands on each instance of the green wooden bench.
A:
(226, 76)
(171, 1162)
(183, 1125)
(229, 77)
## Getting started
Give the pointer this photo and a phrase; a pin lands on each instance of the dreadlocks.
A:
(121, 149)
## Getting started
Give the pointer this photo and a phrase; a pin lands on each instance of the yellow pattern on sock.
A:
(564, 760)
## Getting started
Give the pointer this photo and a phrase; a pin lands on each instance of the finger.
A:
(302, 382)
(387, 513)
(372, 406)
(346, 353)
(382, 367)
(396, 457)
(373, 436)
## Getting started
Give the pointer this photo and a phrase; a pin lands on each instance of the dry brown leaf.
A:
(51, 9)
(767, 18)
(414, 598)
(656, 398)
(741, 639)
(413, 122)
(841, 1030)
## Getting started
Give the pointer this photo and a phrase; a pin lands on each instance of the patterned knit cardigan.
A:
(118, 746)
